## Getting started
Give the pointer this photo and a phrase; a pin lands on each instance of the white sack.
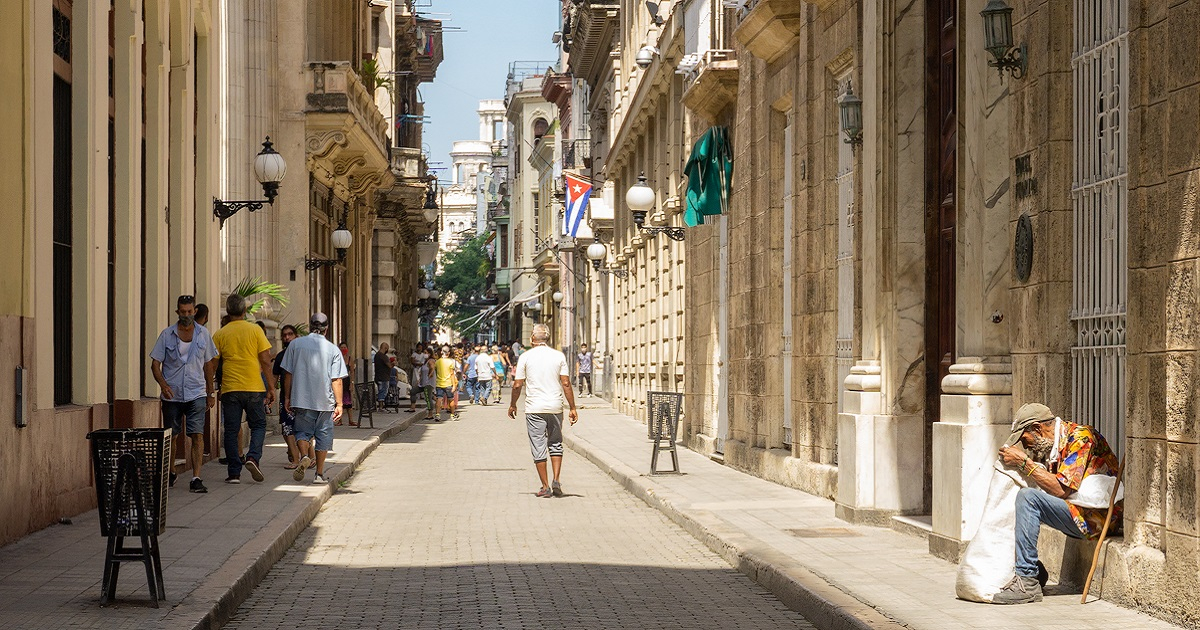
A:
(1095, 491)
(990, 558)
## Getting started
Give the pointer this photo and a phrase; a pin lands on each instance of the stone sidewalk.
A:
(840, 575)
(216, 548)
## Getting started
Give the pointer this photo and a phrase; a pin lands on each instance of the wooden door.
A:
(941, 208)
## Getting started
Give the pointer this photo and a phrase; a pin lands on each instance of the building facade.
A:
(126, 123)
(866, 317)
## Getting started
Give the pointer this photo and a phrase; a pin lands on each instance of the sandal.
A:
(337, 423)
(290, 466)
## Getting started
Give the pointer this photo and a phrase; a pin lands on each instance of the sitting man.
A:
(1056, 457)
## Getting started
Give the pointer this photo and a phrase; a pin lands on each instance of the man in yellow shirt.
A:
(247, 385)
(446, 384)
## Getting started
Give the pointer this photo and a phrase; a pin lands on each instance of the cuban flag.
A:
(579, 191)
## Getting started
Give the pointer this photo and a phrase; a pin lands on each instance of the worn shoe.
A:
(197, 486)
(252, 466)
(171, 480)
(556, 488)
(237, 479)
(1019, 590)
(319, 480)
(298, 474)
(545, 493)
(455, 417)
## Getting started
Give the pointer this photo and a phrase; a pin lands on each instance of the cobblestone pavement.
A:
(440, 528)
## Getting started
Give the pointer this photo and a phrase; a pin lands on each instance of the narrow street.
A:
(440, 528)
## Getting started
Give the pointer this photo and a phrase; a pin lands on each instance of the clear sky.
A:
(495, 33)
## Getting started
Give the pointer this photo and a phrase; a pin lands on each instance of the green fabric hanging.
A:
(710, 172)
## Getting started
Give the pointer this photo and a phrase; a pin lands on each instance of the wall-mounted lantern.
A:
(998, 40)
(269, 169)
(640, 198)
(597, 253)
(341, 239)
(850, 108)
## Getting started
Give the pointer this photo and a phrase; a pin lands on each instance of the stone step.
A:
(919, 525)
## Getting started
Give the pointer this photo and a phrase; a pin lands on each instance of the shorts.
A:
(315, 426)
(174, 414)
(545, 435)
(443, 392)
(287, 422)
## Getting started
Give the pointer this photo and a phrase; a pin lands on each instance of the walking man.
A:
(418, 359)
(183, 363)
(483, 375)
(445, 371)
(246, 366)
(544, 370)
(383, 374)
(584, 363)
(472, 376)
(312, 390)
(287, 421)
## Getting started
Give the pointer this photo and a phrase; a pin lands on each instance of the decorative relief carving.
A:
(320, 145)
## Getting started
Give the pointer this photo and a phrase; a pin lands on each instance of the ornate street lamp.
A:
(597, 252)
(998, 39)
(342, 239)
(269, 169)
(557, 297)
(850, 108)
(640, 198)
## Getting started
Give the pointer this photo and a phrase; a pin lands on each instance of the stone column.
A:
(976, 413)
(880, 456)
(128, 165)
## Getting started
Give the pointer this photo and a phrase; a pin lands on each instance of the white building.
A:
(463, 202)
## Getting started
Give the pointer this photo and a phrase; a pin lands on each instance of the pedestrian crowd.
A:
(196, 370)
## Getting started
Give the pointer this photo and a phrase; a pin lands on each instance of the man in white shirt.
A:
(312, 390)
(545, 371)
(483, 375)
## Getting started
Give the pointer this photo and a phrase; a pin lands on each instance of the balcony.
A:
(577, 154)
(769, 27)
(591, 28)
(715, 87)
(337, 99)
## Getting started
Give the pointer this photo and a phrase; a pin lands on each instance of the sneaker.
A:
(197, 486)
(252, 466)
(545, 493)
(171, 480)
(556, 489)
(455, 417)
(320, 479)
(1019, 590)
(298, 474)
(237, 479)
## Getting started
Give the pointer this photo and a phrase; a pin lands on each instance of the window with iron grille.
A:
(1100, 66)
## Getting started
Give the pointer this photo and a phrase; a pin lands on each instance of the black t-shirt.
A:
(277, 369)
(383, 367)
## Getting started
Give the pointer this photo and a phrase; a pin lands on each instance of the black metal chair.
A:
(662, 419)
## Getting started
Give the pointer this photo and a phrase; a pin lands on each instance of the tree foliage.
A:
(463, 281)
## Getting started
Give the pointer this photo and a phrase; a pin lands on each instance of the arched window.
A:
(540, 127)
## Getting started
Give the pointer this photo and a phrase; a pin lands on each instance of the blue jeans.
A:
(1035, 507)
(232, 406)
(483, 390)
(383, 390)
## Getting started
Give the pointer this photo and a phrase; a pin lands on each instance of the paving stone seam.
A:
(269, 546)
(823, 603)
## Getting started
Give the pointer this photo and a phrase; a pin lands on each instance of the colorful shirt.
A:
(1085, 452)
(239, 343)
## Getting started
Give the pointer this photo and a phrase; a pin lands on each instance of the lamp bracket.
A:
(1015, 61)
(673, 233)
(225, 209)
(312, 264)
